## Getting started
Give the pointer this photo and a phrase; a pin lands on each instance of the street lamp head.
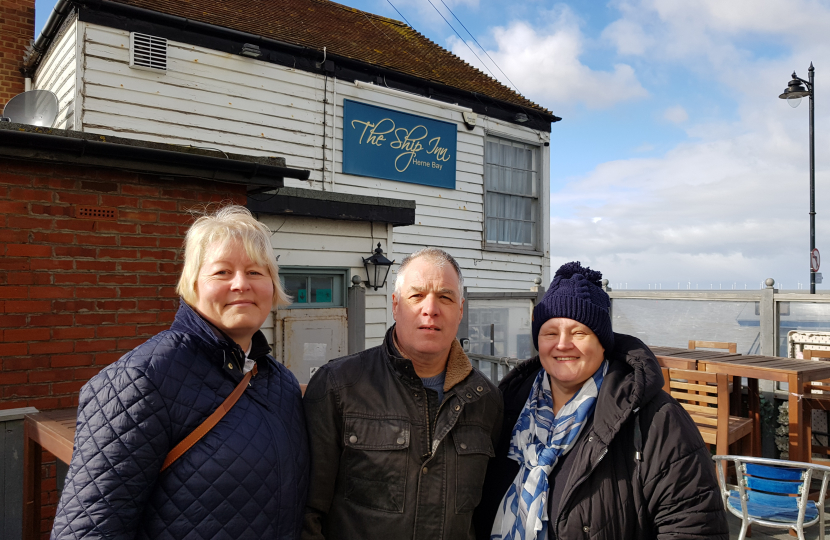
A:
(794, 92)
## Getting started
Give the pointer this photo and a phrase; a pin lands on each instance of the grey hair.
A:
(436, 256)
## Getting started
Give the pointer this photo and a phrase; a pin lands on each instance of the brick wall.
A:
(76, 294)
(17, 28)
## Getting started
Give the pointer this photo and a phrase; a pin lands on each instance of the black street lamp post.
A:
(793, 94)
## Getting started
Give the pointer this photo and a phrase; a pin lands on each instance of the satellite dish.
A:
(35, 107)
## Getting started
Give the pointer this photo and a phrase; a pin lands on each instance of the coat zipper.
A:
(429, 454)
(579, 483)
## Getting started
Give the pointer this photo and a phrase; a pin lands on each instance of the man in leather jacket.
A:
(401, 434)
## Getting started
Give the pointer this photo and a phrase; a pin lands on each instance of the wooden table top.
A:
(54, 431)
(773, 368)
(696, 354)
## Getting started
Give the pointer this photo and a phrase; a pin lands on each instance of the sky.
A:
(675, 164)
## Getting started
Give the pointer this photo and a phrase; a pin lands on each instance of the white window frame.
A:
(538, 238)
(342, 275)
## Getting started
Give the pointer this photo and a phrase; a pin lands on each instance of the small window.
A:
(148, 52)
(511, 184)
(314, 288)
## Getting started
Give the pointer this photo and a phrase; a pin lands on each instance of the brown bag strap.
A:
(209, 422)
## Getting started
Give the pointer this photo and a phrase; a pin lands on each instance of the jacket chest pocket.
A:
(376, 456)
(474, 449)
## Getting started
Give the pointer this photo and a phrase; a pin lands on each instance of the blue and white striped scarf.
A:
(539, 439)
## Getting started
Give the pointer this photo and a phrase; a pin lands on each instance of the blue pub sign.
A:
(383, 143)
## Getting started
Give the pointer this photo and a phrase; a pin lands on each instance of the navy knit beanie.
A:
(576, 293)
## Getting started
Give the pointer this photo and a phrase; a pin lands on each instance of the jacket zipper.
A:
(577, 484)
(429, 455)
(429, 423)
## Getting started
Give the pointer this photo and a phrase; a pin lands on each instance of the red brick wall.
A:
(76, 294)
(17, 28)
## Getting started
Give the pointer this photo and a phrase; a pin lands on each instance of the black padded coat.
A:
(245, 479)
(671, 494)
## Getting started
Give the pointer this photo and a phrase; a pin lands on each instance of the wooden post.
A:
(769, 319)
(799, 447)
(754, 401)
(464, 326)
(32, 452)
(11, 472)
(356, 317)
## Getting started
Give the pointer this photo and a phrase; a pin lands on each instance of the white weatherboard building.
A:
(276, 78)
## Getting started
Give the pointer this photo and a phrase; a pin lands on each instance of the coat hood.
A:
(634, 378)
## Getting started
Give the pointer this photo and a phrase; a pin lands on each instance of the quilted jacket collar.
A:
(189, 321)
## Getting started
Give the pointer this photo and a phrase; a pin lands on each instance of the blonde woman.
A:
(131, 475)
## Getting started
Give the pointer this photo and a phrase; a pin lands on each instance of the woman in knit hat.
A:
(591, 445)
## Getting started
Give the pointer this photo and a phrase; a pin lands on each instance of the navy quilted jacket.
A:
(246, 479)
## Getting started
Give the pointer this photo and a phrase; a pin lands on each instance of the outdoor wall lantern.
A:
(377, 268)
(793, 93)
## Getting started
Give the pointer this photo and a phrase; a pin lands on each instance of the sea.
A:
(672, 323)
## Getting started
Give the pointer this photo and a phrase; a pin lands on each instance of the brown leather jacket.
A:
(375, 473)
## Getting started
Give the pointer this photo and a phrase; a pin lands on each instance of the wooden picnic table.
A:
(53, 431)
(795, 372)
(686, 358)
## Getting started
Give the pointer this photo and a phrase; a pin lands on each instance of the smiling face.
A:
(427, 310)
(234, 293)
(571, 353)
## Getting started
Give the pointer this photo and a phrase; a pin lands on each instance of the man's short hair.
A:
(436, 256)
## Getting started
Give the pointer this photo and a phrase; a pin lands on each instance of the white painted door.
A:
(308, 338)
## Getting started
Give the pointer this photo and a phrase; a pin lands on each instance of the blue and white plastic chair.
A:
(774, 493)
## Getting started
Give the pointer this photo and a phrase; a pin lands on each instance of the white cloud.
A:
(676, 114)
(628, 37)
(712, 29)
(730, 203)
(544, 63)
(727, 207)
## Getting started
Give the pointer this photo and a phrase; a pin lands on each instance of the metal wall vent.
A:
(95, 212)
(148, 52)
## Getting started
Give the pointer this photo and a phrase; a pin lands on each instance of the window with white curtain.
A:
(511, 187)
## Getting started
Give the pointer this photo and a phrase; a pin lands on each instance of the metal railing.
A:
(494, 367)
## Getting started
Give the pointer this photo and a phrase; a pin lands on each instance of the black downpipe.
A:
(53, 23)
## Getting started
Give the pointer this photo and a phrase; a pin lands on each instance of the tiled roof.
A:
(346, 32)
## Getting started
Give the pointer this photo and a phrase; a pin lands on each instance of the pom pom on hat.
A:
(576, 293)
(567, 271)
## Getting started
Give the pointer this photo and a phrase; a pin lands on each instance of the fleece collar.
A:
(458, 364)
